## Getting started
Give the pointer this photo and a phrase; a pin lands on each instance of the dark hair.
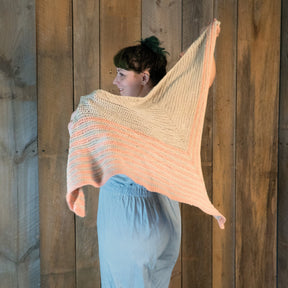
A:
(147, 55)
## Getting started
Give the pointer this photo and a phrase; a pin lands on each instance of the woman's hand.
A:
(218, 30)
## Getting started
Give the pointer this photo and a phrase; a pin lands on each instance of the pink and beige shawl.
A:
(155, 140)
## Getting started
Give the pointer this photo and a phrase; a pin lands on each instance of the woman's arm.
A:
(213, 73)
(213, 70)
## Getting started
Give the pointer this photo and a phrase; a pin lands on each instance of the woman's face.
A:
(129, 83)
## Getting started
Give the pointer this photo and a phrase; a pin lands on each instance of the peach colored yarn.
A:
(155, 140)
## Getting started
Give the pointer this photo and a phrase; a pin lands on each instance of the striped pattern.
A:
(155, 140)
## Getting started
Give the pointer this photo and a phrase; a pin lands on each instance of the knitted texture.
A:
(155, 140)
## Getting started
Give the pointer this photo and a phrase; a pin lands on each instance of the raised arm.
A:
(213, 70)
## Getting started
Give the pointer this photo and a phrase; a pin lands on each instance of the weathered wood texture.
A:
(86, 79)
(283, 156)
(86, 50)
(256, 142)
(196, 226)
(164, 20)
(19, 210)
(76, 42)
(55, 105)
(120, 26)
(224, 121)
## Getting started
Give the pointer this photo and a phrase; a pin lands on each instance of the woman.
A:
(139, 231)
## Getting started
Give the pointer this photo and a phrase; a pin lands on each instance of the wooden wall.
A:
(244, 144)
(282, 230)
(19, 203)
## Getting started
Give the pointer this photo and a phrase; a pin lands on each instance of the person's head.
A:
(140, 67)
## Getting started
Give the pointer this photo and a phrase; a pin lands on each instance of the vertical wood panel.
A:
(55, 105)
(19, 211)
(256, 140)
(283, 156)
(120, 26)
(224, 110)
(196, 226)
(164, 20)
(86, 50)
(256, 132)
(86, 79)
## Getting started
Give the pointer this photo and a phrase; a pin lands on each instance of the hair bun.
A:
(153, 43)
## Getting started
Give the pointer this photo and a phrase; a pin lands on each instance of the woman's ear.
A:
(145, 77)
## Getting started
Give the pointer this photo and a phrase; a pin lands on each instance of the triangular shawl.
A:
(155, 140)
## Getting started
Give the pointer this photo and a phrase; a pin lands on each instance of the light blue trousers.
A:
(139, 234)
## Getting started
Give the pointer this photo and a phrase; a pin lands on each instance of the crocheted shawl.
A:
(155, 140)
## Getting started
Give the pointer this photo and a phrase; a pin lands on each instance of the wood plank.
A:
(283, 155)
(196, 16)
(55, 105)
(120, 26)
(19, 210)
(197, 226)
(256, 142)
(224, 110)
(164, 20)
(86, 24)
(87, 255)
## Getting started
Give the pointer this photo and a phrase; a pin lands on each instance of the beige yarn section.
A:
(155, 140)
